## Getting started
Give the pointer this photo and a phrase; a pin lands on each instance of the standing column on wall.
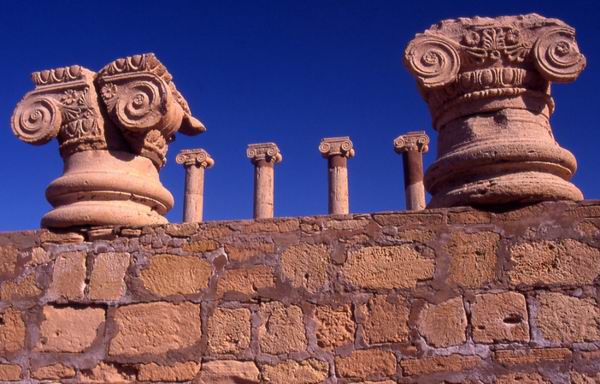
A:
(195, 162)
(411, 146)
(264, 156)
(337, 150)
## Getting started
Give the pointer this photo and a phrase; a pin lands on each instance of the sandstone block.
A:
(472, 258)
(282, 329)
(585, 378)
(335, 326)
(23, 289)
(311, 371)
(554, 262)
(69, 329)
(562, 318)
(177, 372)
(201, 246)
(522, 378)
(429, 365)
(385, 320)
(305, 265)
(444, 324)
(511, 357)
(53, 372)
(108, 276)
(155, 328)
(228, 372)
(106, 373)
(249, 250)
(8, 260)
(366, 364)
(229, 330)
(246, 281)
(68, 276)
(387, 267)
(38, 256)
(12, 331)
(10, 372)
(168, 275)
(500, 317)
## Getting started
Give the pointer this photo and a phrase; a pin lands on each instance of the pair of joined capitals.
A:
(337, 146)
(412, 141)
(195, 157)
(268, 152)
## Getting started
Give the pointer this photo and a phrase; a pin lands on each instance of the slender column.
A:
(264, 156)
(411, 146)
(337, 151)
(195, 162)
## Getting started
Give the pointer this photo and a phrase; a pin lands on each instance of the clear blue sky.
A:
(284, 71)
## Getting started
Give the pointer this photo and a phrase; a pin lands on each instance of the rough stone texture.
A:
(531, 356)
(108, 276)
(228, 372)
(229, 330)
(522, 378)
(249, 251)
(499, 317)
(68, 276)
(12, 331)
(247, 281)
(27, 288)
(8, 259)
(387, 267)
(305, 265)
(444, 324)
(335, 326)
(366, 364)
(155, 328)
(451, 363)
(311, 371)
(567, 262)
(176, 275)
(70, 329)
(562, 318)
(282, 329)
(585, 378)
(385, 320)
(106, 373)
(176, 372)
(53, 372)
(472, 258)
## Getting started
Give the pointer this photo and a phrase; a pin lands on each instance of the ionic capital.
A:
(268, 152)
(195, 157)
(412, 141)
(336, 146)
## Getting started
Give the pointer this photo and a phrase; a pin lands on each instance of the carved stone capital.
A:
(412, 141)
(268, 152)
(336, 146)
(192, 157)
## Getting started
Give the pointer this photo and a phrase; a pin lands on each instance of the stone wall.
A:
(448, 295)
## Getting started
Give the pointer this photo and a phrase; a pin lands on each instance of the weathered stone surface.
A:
(335, 326)
(444, 324)
(68, 276)
(249, 250)
(195, 162)
(385, 320)
(511, 357)
(305, 265)
(12, 331)
(168, 275)
(264, 156)
(500, 317)
(472, 258)
(429, 365)
(10, 372)
(201, 246)
(566, 261)
(107, 281)
(155, 328)
(521, 378)
(228, 372)
(387, 267)
(281, 329)
(176, 372)
(106, 373)
(562, 318)
(366, 364)
(70, 329)
(247, 281)
(25, 288)
(311, 371)
(38, 256)
(229, 330)
(584, 378)
(8, 259)
(53, 372)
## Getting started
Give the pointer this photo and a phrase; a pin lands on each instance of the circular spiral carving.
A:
(433, 60)
(36, 120)
(140, 105)
(557, 55)
(324, 148)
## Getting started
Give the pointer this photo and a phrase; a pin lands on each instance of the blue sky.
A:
(291, 72)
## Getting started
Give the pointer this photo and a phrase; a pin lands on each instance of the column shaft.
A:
(264, 182)
(193, 204)
(414, 189)
(338, 185)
